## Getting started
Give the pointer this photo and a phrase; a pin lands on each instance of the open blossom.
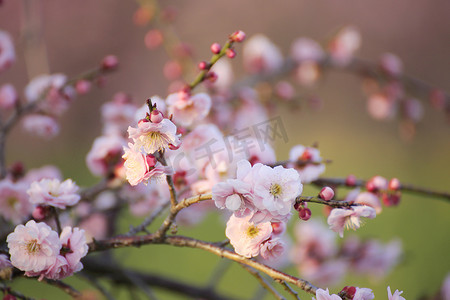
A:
(325, 295)
(118, 113)
(344, 45)
(396, 295)
(275, 189)
(247, 237)
(261, 55)
(7, 53)
(309, 165)
(349, 218)
(104, 154)
(33, 247)
(187, 109)
(53, 192)
(154, 137)
(140, 168)
(272, 249)
(41, 125)
(363, 294)
(14, 204)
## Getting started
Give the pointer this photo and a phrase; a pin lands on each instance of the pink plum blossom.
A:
(140, 168)
(261, 55)
(74, 248)
(391, 64)
(272, 249)
(53, 192)
(325, 295)
(152, 137)
(57, 98)
(305, 49)
(118, 113)
(7, 53)
(186, 109)
(381, 107)
(234, 195)
(48, 171)
(349, 218)
(396, 295)
(311, 166)
(8, 96)
(363, 294)
(247, 237)
(14, 204)
(41, 125)
(344, 45)
(275, 189)
(33, 247)
(369, 199)
(104, 154)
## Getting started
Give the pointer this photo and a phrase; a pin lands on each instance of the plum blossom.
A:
(74, 247)
(4, 262)
(261, 55)
(275, 189)
(140, 168)
(363, 294)
(57, 95)
(349, 218)
(33, 247)
(344, 45)
(305, 49)
(142, 111)
(188, 109)
(7, 53)
(272, 249)
(310, 164)
(14, 204)
(41, 125)
(53, 192)
(154, 137)
(381, 107)
(325, 295)
(104, 154)
(247, 237)
(8, 96)
(396, 295)
(369, 199)
(118, 114)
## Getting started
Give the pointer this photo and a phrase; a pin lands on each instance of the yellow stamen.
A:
(275, 189)
(252, 231)
(33, 247)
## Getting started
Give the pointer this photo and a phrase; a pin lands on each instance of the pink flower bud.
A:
(377, 183)
(349, 292)
(110, 62)
(350, 180)
(8, 96)
(326, 193)
(391, 199)
(212, 76)
(156, 116)
(231, 53)
(41, 212)
(9, 297)
(394, 184)
(215, 48)
(278, 228)
(285, 90)
(172, 70)
(153, 39)
(304, 214)
(151, 160)
(203, 65)
(83, 86)
(143, 121)
(173, 147)
(238, 36)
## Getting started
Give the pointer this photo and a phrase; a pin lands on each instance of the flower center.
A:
(11, 201)
(275, 189)
(33, 247)
(252, 231)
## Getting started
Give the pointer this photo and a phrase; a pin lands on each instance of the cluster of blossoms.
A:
(38, 250)
(261, 199)
(355, 293)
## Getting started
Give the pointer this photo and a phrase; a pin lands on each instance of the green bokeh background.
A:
(78, 34)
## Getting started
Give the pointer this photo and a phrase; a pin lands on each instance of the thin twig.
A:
(290, 290)
(94, 282)
(149, 220)
(64, 287)
(7, 290)
(264, 282)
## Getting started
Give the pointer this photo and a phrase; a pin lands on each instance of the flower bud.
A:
(212, 76)
(304, 214)
(203, 65)
(83, 86)
(215, 48)
(278, 228)
(41, 212)
(238, 36)
(153, 39)
(110, 62)
(326, 193)
(350, 180)
(156, 116)
(231, 53)
(394, 184)
(151, 160)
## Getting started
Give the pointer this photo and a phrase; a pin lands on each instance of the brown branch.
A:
(7, 290)
(290, 290)
(266, 285)
(409, 188)
(149, 220)
(181, 241)
(332, 203)
(64, 287)
(102, 268)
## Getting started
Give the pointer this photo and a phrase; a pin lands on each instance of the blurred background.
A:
(73, 36)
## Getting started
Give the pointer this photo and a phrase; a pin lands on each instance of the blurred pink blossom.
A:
(8, 96)
(187, 110)
(53, 192)
(349, 218)
(7, 53)
(261, 55)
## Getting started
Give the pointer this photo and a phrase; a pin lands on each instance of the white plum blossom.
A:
(325, 295)
(104, 154)
(53, 192)
(310, 165)
(349, 218)
(14, 204)
(186, 109)
(152, 137)
(363, 294)
(261, 55)
(41, 125)
(396, 295)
